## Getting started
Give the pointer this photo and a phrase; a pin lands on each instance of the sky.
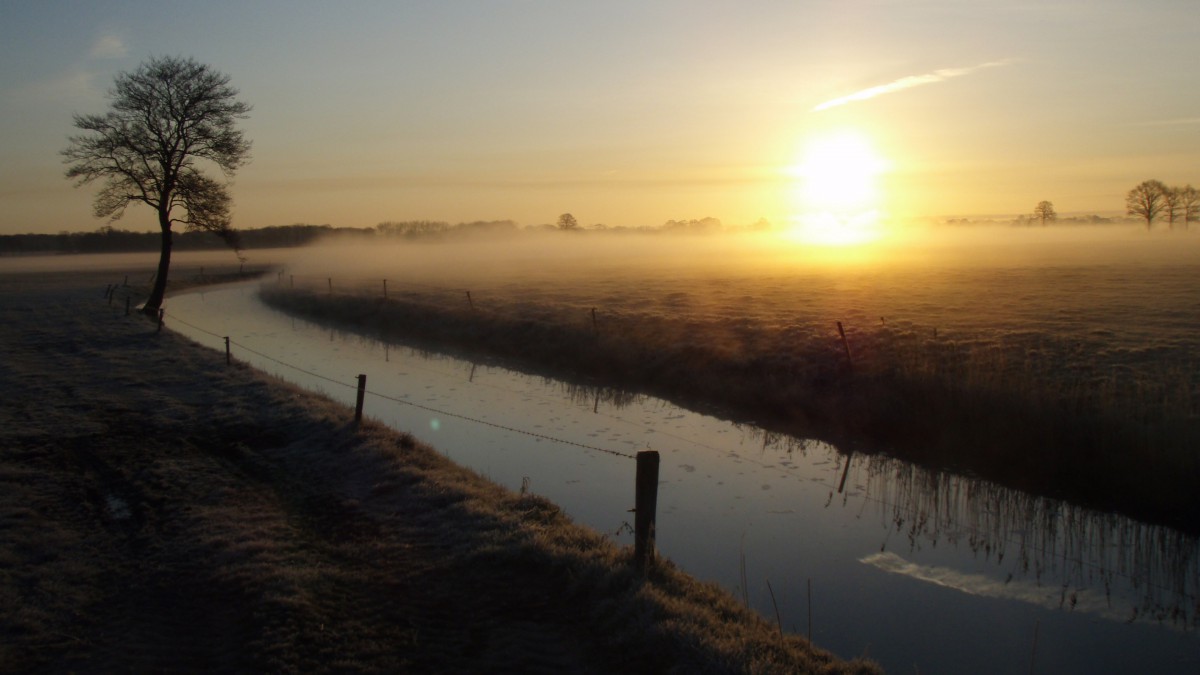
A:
(629, 113)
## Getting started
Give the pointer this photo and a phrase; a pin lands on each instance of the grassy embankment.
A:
(1053, 423)
(163, 511)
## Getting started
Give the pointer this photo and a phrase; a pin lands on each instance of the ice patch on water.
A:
(1044, 596)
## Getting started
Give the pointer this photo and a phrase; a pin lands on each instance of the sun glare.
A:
(835, 195)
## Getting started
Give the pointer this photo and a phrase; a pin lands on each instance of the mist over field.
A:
(1102, 287)
(913, 247)
(1098, 283)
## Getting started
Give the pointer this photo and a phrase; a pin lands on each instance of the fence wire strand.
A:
(501, 426)
(394, 399)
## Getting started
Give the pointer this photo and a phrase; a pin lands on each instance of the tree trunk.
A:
(164, 264)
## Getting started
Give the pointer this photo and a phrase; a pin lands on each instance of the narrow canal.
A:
(923, 571)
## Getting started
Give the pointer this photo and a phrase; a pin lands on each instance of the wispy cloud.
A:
(82, 81)
(908, 82)
(108, 46)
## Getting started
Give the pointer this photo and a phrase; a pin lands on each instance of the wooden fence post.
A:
(228, 357)
(470, 301)
(645, 505)
(810, 610)
(846, 346)
(362, 390)
(845, 471)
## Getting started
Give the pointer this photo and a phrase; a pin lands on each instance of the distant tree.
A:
(693, 226)
(1146, 200)
(567, 222)
(166, 116)
(1189, 201)
(1171, 198)
(1045, 211)
(412, 229)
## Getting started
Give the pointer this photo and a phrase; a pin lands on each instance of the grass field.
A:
(1062, 361)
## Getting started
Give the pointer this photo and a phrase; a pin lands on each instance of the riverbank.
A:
(164, 511)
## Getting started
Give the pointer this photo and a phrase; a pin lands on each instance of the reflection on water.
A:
(612, 398)
(874, 537)
(1052, 553)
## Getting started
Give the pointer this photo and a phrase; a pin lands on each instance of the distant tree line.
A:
(1149, 200)
(566, 222)
(1153, 199)
(436, 229)
(1036, 218)
(109, 240)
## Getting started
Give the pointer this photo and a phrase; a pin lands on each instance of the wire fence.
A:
(396, 399)
(646, 478)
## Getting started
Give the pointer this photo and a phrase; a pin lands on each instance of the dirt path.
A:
(160, 511)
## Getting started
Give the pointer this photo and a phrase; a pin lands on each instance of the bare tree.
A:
(1146, 200)
(166, 116)
(567, 222)
(1045, 211)
(1189, 202)
(1172, 199)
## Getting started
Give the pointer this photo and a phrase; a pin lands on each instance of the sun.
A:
(838, 173)
(834, 190)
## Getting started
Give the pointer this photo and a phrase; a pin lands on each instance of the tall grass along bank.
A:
(162, 511)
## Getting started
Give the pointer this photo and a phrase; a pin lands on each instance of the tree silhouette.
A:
(1189, 202)
(1172, 201)
(166, 116)
(1045, 211)
(567, 222)
(1146, 200)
